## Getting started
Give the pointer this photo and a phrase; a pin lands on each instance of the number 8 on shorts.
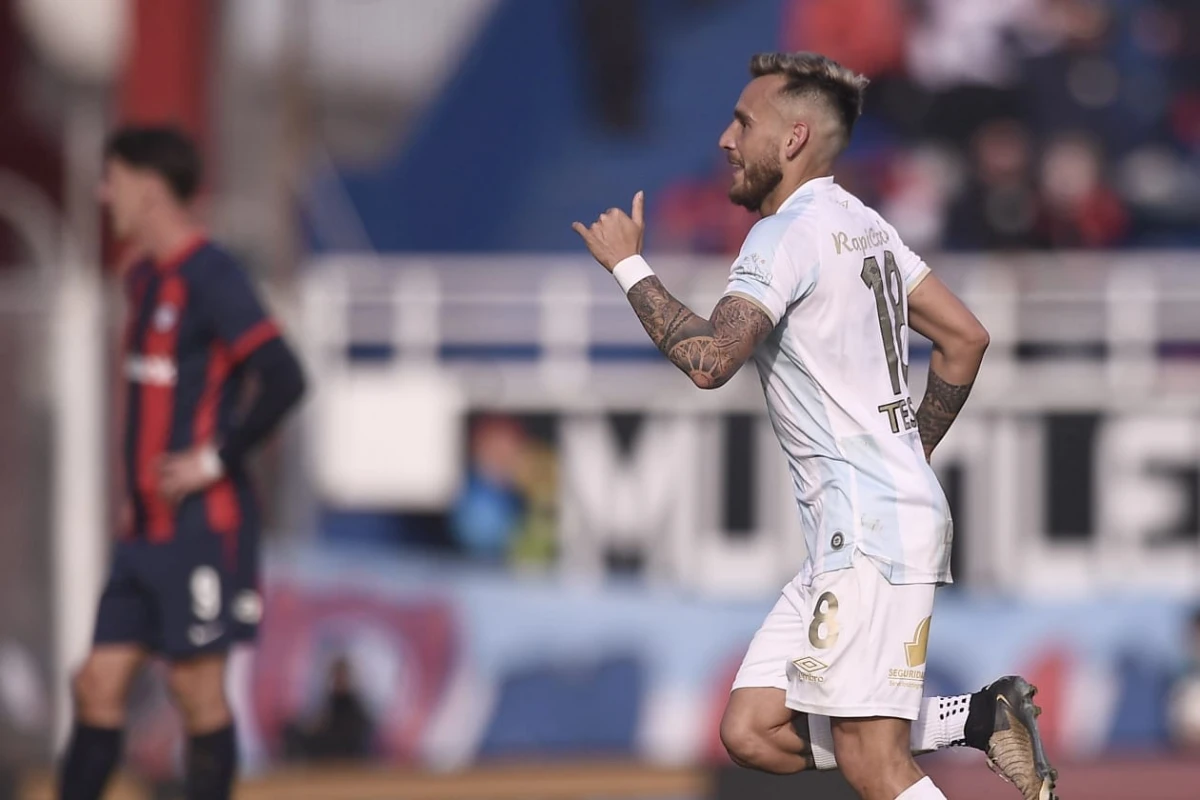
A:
(859, 658)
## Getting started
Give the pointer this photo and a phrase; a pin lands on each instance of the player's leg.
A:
(100, 688)
(195, 593)
(872, 753)
(198, 687)
(874, 757)
(864, 654)
(861, 663)
(758, 730)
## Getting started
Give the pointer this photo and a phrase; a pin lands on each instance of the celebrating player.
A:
(183, 582)
(821, 297)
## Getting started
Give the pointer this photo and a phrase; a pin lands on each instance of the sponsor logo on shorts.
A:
(808, 667)
(201, 635)
(907, 678)
(916, 650)
(914, 655)
(838, 541)
(247, 608)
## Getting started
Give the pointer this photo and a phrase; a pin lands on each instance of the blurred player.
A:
(183, 582)
(821, 298)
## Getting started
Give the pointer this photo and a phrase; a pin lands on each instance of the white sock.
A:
(820, 739)
(922, 790)
(942, 723)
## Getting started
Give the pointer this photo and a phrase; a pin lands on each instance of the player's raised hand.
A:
(615, 236)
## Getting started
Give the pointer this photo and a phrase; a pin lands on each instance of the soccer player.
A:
(183, 581)
(821, 297)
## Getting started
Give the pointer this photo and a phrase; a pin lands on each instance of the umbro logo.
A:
(810, 665)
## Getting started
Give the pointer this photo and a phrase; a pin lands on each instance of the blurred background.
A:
(511, 552)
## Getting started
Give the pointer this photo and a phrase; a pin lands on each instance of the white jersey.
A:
(835, 278)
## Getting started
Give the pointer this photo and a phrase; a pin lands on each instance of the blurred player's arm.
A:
(255, 344)
(959, 341)
(709, 351)
(252, 342)
(281, 384)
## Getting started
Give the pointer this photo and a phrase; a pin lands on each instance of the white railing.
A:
(553, 335)
(554, 324)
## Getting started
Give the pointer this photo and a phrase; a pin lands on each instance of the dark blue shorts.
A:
(193, 595)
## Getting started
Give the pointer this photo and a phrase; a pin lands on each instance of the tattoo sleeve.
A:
(709, 351)
(938, 409)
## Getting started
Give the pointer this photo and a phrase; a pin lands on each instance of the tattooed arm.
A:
(710, 351)
(959, 341)
(939, 409)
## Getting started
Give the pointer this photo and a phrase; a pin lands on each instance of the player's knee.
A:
(871, 763)
(199, 692)
(192, 689)
(99, 693)
(745, 744)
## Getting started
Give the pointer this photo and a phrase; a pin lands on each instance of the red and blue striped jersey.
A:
(193, 320)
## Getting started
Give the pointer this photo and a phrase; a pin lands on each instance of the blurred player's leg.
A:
(198, 686)
(100, 689)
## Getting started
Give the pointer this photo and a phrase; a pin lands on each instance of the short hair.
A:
(812, 74)
(162, 149)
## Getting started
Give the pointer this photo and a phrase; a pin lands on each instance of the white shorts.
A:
(849, 645)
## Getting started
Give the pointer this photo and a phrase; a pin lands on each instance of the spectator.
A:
(835, 27)
(1079, 209)
(999, 206)
(490, 508)
(342, 731)
(916, 194)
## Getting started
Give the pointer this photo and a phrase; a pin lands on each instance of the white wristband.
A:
(631, 270)
(210, 462)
